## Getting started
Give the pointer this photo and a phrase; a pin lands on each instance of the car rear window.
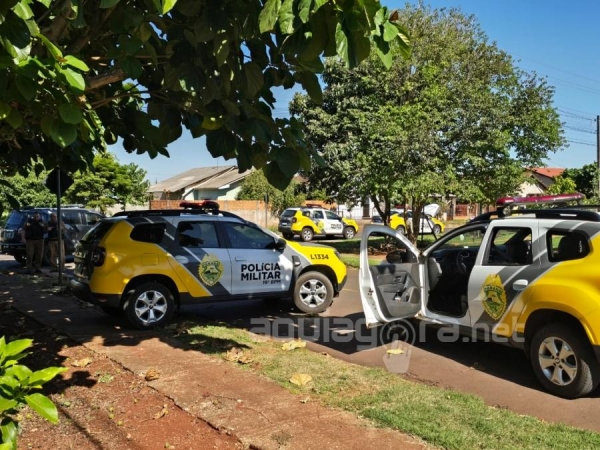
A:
(97, 232)
(289, 213)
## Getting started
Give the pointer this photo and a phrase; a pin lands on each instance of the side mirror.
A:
(280, 244)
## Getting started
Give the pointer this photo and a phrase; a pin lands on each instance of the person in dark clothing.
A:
(35, 229)
(53, 242)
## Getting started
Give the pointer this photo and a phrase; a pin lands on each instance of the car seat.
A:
(572, 246)
(518, 252)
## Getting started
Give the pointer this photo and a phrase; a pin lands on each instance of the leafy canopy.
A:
(77, 75)
(256, 187)
(457, 116)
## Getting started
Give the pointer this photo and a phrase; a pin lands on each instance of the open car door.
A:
(390, 278)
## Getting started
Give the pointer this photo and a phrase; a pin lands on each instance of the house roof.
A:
(548, 171)
(191, 177)
(222, 180)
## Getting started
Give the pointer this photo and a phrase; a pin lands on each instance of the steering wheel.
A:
(465, 260)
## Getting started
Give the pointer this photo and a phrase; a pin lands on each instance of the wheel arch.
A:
(152, 278)
(542, 317)
(327, 271)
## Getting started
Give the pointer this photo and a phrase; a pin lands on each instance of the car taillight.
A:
(98, 256)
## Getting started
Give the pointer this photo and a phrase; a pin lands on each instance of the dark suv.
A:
(77, 220)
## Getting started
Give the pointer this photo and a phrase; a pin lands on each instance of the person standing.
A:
(35, 229)
(53, 242)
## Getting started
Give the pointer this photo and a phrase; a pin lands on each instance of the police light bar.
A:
(539, 199)
(205, 204)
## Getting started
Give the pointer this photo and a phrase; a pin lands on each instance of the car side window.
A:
(318, 215)
(509, 247)
(71, 217)
(244, 236)
(148, 232)
(91, 218)
(566, 246)
(192, 234)
(332, 216)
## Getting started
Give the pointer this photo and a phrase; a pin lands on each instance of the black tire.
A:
(437, 230)
(288, 236)
(401, 229)
(563, 361)
(313, 293)
(349, 233)
(21, 258)
(150, 305)
(307, 234)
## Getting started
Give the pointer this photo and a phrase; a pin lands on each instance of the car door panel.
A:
(390, 289)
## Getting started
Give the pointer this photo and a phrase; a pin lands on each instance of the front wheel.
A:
(313, 293)
(20, 258)
(288, 236)
(150, 305)
(563, 361)
(348, 233)
(307, 234)
(401, 229)
(437, 230)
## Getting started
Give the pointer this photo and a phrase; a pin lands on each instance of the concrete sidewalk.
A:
(260, 413)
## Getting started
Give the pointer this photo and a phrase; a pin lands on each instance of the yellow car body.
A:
(310, 222)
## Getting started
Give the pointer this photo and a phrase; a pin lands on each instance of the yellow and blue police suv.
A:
(146, 263)
(530, 280)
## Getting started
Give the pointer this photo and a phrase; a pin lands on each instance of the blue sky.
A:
(556, 39)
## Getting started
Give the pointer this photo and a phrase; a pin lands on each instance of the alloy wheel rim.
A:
(558, 361)
(150, 307)
(313, 293)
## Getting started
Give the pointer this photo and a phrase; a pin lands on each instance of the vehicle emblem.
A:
(210, 270)
(494, 296)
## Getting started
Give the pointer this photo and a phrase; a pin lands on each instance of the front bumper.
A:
(12, 249)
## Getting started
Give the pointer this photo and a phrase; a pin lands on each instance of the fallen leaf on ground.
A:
(82, 362)
(234, 354)
(300, 379)
(291, 345)
(395, 351)
(162, 413)
(152, 374)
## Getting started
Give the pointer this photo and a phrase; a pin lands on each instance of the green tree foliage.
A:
(109, 184)
(585, 179)
(77, 75)
(562, 185)
(18, 191)
(456, 117)
(256, 186)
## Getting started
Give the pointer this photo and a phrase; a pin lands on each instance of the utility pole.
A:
(598, 150)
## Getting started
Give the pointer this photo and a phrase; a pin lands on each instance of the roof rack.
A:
(565, 213)
(554, 199)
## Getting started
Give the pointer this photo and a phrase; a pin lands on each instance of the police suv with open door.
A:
(529, 278)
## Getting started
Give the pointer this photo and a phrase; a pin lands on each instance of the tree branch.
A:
(104, 79)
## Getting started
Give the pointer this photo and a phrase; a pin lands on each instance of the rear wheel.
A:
(307, 234)
(563, 361)
(437, 229)
(20, 258)
(348, 233)
(401, 229)
(313, 293)
(150, 305)
(288, 236)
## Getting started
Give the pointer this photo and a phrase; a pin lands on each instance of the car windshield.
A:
(15, 220)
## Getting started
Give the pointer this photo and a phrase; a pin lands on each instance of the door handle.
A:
(239, 258)
(520, 285)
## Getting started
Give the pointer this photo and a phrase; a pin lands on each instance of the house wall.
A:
(214, 194)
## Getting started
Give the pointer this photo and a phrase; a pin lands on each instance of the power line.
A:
(592, 116)
(562, 70)
(575, 116)
(582, 143)
(581, 130)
